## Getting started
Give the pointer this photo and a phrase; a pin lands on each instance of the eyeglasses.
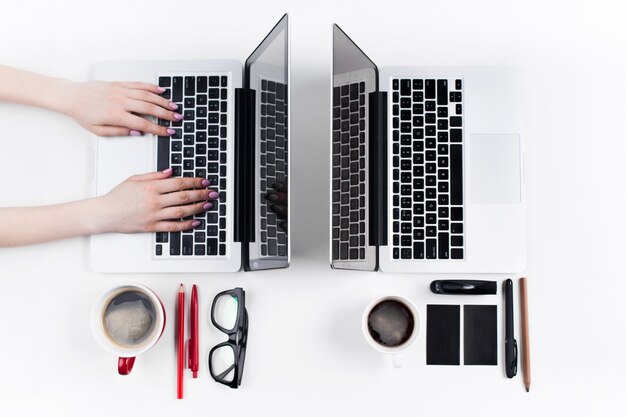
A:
(229, 315)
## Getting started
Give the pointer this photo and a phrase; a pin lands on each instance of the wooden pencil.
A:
(525, 337)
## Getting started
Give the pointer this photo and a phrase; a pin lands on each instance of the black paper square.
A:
(480, 334)
(443, 334)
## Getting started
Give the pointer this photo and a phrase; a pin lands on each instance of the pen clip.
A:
(514, 364)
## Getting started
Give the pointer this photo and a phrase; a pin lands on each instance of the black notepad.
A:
(443, 334)
(480, 334)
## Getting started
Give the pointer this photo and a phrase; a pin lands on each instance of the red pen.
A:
(194, 356)
(181, 340)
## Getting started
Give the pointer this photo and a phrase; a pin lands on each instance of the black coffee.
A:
(390, 323)
(129, 319)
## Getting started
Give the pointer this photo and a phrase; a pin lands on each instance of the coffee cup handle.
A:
(125, 365)
(397, 360)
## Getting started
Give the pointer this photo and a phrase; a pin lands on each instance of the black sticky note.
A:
(480, 334)
(443, 333)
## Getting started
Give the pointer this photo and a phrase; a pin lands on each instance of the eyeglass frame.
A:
(237, 337)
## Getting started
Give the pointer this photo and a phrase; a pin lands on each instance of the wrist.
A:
(63, 96)
(95, 217)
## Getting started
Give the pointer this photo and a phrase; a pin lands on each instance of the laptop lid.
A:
(266, 156)
(354, 223)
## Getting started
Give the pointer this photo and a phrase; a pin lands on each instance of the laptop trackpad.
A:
(495, 176)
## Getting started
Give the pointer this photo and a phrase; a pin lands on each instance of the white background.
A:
(306, 354)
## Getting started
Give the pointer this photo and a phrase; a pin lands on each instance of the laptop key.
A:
(443, 248)
(199, 250)
(190, 86)
(456, 175)
(431, 248)
(456, 228)
(159, 250)
(418, 250)
(429, 89)
(442, 92)
(187, 245)
(177, 89)
(405, 87)
(211, 246)
(163, 153)
(456, 121)
(175, 243)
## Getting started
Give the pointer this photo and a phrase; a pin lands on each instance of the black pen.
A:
(510, 344)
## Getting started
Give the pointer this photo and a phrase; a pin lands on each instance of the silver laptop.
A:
(235, 133)
(426, 167)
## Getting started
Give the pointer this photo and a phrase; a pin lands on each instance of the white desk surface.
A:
(306, 355)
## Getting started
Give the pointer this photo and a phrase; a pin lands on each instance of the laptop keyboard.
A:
(349, 228)
(427, 195)
(197, 149)
(273, 165)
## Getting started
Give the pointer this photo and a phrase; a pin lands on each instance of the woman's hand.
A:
(153, 203)
(112, 108)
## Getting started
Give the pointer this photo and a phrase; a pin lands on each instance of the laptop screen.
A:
(267, 74)
(355, 76)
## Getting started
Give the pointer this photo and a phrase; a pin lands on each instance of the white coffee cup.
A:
(395, 352)
(125, 310)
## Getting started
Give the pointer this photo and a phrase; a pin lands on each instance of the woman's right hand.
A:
(152, 203)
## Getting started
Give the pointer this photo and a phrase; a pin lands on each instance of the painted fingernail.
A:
(160, 89)
(207, 206)
(178, 116)
(195, 223)
(171, 131)
(167, 171)
(206, 182)
(173, 106)
(213, 195)
(135, 133)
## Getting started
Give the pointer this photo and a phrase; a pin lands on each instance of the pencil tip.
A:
(527, 389)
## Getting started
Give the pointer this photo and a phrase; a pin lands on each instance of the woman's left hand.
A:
(113, 108)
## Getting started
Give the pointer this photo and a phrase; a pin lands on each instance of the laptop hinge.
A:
(244, 167)
(378, 168)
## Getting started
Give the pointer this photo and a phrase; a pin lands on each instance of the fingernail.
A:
(178, 116)
(171, 131)
(173, 106)
(135, 133)
(160, 89)
(207, 206)
(167, 171)
(213, 195)
(195, 223)
(206, 182)
(271, 197)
